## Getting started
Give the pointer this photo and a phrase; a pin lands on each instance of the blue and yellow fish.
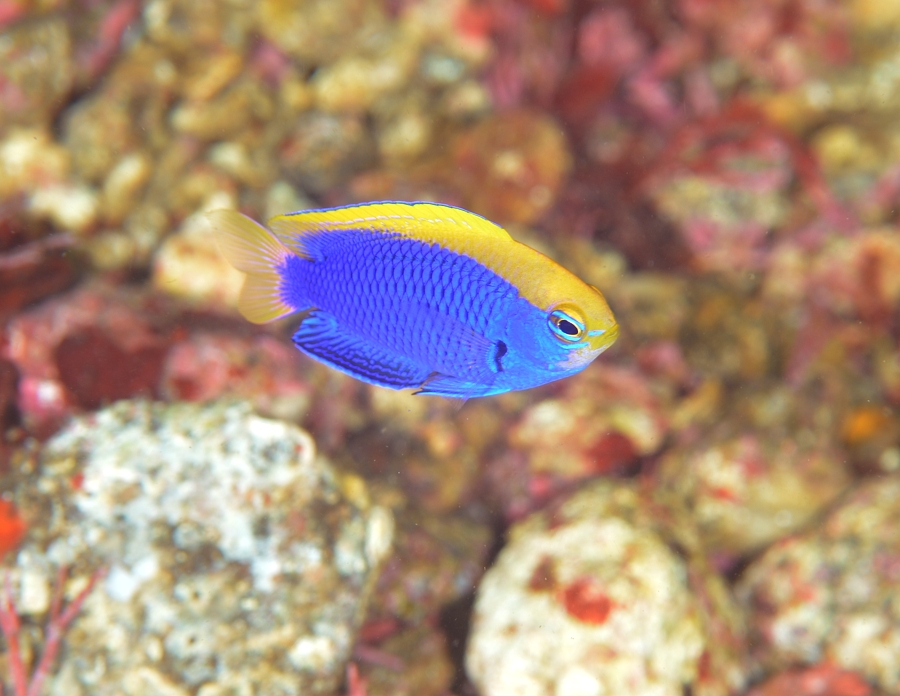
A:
(417, 295)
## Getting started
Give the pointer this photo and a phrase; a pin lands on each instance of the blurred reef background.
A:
(711, 508)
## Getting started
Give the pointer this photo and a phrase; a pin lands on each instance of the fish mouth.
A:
(609, 337)
(585, 352)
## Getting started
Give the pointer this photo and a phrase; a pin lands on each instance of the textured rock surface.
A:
(423, 668)
(589, 599)
(831, 594)
(746, 492)
(238, 561)
(36, 71)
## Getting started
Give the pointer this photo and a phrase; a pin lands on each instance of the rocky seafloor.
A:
(710, 508)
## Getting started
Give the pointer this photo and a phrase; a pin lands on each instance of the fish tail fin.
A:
(253, 250)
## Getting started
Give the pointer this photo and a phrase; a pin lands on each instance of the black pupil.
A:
(567, 327)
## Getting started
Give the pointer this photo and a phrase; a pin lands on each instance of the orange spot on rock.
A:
(864, 423)
(12, 527)
(586, 602)
(722, 493)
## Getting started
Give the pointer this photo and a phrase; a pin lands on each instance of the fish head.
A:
(569, 322)
(580, 329)
(558, 340)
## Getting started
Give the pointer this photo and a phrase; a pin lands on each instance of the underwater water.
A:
(191, 506)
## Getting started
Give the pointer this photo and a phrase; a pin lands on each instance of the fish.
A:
(417, 295)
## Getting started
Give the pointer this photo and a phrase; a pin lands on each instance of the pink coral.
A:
(59, 621)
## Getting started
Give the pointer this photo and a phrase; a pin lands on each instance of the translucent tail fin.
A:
(253, 250)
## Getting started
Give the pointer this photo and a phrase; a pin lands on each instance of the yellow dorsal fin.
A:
(428, 222)
(306, 234)
(253, 250)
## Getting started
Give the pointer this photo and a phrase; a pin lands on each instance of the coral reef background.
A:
(711, 506)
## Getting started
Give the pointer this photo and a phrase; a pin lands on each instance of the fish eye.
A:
(565, 326)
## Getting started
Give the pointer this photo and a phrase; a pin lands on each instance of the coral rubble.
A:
(235, 556)
(589, 598)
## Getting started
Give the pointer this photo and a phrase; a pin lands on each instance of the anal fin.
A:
(451, 387)
(321, 337)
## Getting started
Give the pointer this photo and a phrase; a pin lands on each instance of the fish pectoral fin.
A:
(321, 337)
